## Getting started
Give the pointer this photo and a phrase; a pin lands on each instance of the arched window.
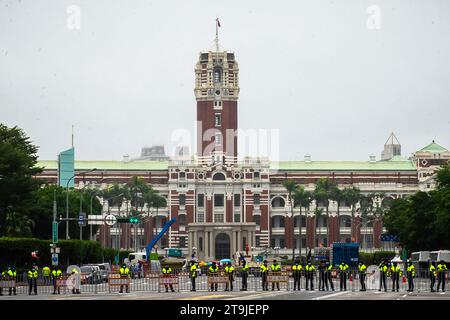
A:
(278, 202)
(219, 176)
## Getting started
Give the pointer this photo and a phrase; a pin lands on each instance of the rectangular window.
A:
(218, 217)
(258, 241)
(182, 175)
(218, 138)
(281, 243)
(272, 243)
(237, 217)
(218, 200)
(256, 175)
(182, 242)
(256, 199)
(200, 200)
(182, 198)
(200, 217)
(237, 200)
(218, 120)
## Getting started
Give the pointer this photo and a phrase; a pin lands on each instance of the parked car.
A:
(105, 270)
(92, 274)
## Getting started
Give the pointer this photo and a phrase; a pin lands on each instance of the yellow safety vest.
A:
(441, 267)
(383, 268)
(213, 270)
(433, 269)
(263, 268)
(194, 271)
(229, 269)
(297, 267)
(396, 270)
(343, 267)
(245, 268)
(362, 268)
(57, 273)
(276, 267)
(46, 271)
(32, 274)
(12, 273)
(166, 271)
(411, 269)
(310, 268)
(124, 271)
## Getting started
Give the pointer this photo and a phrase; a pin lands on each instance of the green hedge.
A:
(375, 257)
(17, 251)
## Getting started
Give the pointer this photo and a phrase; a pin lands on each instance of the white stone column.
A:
(233, 243)
(190, 244)
(239, 241)
(211, 244)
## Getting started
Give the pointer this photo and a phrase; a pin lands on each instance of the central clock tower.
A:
(216, 91)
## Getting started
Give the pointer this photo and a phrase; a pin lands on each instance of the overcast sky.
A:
(334, 77)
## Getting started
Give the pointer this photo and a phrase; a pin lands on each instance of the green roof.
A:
(434, 147)
(109, 165)
(391, 165)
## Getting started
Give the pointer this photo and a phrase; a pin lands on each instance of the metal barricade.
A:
(277, 278)
(115, 280)
(168, 280)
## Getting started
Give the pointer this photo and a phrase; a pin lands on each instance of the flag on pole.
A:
(218, 22)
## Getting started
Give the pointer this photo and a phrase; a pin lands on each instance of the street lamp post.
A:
(67, 201)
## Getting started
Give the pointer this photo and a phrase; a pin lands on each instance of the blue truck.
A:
(347, 252)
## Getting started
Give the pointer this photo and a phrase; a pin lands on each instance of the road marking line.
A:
(258, 295)
(211, 296)
(404, 295)
(330, 295)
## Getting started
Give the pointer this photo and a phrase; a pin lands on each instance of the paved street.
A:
(238, 295)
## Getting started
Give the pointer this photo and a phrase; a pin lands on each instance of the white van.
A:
(134, 257)
(440, 255)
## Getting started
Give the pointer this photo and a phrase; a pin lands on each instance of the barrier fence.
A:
(181, 281)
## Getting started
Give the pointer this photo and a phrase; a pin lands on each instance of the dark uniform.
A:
(297, 274)
(56, 274)
(213, 271)
(166, 271)
(432, 276)
(343, 270)
(441, 270)
(276, 269)
(244, 275)
(264, 269)
(383, 272)
(396, 273)
(362, 276)
(193, 274)
(322, 276)
(124, 273)
(2, 276)
(309, 270)
(328, 276)
(410, 273)
(32, 280)
(229, 271)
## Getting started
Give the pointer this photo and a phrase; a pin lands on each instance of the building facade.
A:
(221, 204)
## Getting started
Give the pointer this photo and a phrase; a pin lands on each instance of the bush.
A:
(17, 251)
(375, 258)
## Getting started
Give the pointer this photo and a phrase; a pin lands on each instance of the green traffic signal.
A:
(134, 220)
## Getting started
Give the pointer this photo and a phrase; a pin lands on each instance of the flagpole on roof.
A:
(217, 34)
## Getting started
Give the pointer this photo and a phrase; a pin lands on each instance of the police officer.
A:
(193, 274)
(264, 269)
(124, 273)
(167, 271)
(328, 275)
(396, 273)
(432, 270)
(297, 274)
(46, 274)
(244, 275)
(229, 271)
(383, 272)
(362, 275)
(441, 270)
(11, 274)
(213, 271)
(343, 270)
(276, 269)
(322, 276)
(32, 279)
(410, 273)
(310, 270)
(56, 274)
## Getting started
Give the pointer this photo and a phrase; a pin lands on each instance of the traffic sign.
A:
(82, 219)
(55, 260)
(95, 219)
(55, 232)
(110, 220)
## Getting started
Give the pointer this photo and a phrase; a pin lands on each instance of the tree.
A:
(18, 166)
(303, 199)
(421, 220)
(322, 195)
(290, 186)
